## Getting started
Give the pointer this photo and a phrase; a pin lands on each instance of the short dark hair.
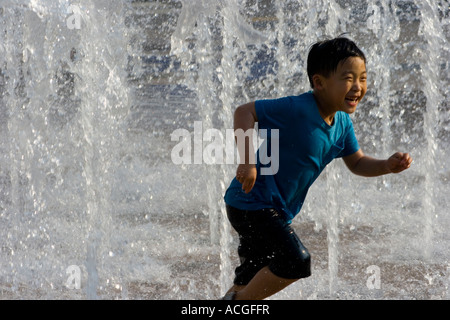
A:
(325, 56)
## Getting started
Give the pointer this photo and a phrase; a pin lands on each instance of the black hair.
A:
(325, 56)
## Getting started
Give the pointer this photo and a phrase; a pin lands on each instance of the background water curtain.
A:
(91, 204)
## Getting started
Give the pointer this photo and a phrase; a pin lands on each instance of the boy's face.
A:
(347, 86)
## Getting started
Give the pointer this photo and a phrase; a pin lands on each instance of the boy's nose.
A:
(357, 86)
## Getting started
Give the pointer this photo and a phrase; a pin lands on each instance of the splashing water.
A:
(91, 204)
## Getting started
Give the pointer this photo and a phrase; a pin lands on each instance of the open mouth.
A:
(352, 99)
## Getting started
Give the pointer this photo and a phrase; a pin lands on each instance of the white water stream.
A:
(90, 92)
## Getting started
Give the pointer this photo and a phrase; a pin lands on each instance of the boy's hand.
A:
(399, 162)
(246, 175)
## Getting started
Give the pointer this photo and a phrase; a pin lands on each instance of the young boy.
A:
(314, 128)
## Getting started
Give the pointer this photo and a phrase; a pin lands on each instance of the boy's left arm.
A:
(362, 165)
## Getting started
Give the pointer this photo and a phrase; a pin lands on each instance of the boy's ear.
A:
(318, 81)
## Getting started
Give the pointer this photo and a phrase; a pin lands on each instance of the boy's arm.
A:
(245, 118)
(362, 165)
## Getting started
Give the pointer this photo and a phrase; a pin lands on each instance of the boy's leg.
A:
(231, 293)
(236, 288)
(266, 239)
(264, 284)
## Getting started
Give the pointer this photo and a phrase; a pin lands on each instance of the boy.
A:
(314, 128)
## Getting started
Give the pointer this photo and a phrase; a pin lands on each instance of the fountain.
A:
(92, 205)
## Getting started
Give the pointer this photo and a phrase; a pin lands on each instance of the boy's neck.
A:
(326, 112)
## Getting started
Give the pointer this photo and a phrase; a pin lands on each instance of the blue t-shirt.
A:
(306, 145)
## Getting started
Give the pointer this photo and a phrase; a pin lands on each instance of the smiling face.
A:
(344, 89)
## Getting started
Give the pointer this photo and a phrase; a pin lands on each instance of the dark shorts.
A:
(266, 239)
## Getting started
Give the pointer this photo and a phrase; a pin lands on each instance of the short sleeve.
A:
(350, 143)
(274, 113)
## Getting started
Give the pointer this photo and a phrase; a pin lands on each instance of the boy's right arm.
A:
(245, 118)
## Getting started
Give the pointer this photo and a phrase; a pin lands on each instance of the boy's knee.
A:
(301, 265)
(294, 267)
